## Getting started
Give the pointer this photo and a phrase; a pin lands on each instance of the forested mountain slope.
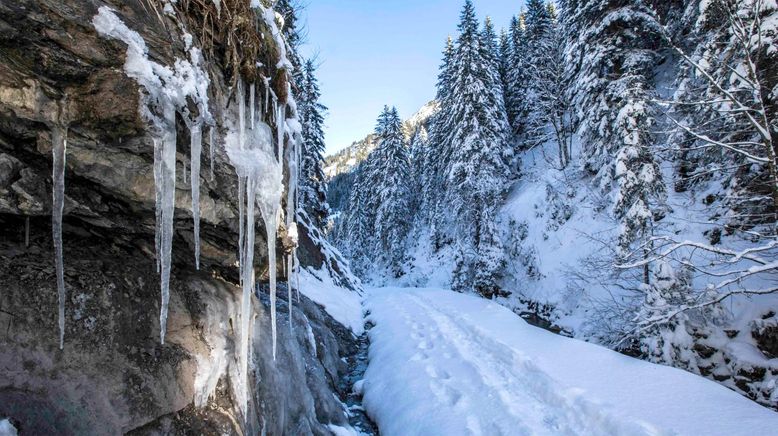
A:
(604, 168)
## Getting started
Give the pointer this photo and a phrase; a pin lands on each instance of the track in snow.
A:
(443, 363)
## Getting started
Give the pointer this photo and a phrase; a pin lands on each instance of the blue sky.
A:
(377, 52)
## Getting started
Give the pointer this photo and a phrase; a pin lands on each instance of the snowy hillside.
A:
(607, 172)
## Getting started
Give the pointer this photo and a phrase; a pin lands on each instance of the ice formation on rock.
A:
(58, 151)
(166, 91)
(196, 134)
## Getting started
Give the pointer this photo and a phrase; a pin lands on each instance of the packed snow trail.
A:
(443, 363)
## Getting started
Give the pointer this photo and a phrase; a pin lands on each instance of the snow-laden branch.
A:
(731, 255)
(669, 316)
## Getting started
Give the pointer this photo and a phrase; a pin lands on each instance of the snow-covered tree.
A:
(477, 175)
(313, 193)
(611, 62)
(391, 189)
(517, 80)
(505, 57)
(377, 219)
(436, 153)
(552, 110)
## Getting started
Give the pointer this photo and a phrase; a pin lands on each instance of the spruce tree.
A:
(477, 175)
(538, 26)
(435, 154)
(390, 164)
(505, 57)
(613, 96)
(313, 193)
(515, 103)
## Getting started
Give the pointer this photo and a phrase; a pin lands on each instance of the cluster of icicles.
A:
(258, 163)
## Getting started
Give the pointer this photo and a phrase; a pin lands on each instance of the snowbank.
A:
(6, 428)
(342, 304)
(471, 366)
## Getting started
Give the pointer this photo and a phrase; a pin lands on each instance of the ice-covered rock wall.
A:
(103, 104)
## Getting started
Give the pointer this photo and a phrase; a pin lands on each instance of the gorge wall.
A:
(113, 374)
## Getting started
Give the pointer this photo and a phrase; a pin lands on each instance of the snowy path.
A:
(443, 363)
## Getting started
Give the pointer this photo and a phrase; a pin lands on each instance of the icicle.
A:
(248, 286)
(157, 201)
(211, 149)
(196, 135)
(241, 115)
(255, 162)
(291, 196)
(289, 262)
(58, 150)
(183, 166)
(271, 225)
(267, 92)
(297, 275)
(167, 204)
(241, 181)
(281, 125)
(299, 157)
(251, 104)
(241, 202)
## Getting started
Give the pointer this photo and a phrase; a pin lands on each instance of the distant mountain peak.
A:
(347, 159)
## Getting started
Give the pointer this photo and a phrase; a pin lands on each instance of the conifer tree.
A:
(313, 193)
(477, 176)
(516, 105)
(612, 94)
(391, 190)
(435, 155)
(505, 56)
(538, 26)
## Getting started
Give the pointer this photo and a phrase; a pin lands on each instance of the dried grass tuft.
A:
(234, 37)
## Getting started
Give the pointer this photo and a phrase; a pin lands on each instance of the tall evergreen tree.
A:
(435, 154)
(612, 93)
(505, 57)
(538, 26)
(477, 175)
(517, 80)
(377, 220)
(391, 190)
(313, 192)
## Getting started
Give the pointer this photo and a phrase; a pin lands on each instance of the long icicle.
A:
(271, 224)
(168, 198)
(248, 287)
(211, 146)
(196, 134)
(241, 181)
(157, 201)
(59, 150)
(251, 104)
(290, 263)
(241, 202)
(297, 275)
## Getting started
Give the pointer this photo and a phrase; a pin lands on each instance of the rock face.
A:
(113, 375)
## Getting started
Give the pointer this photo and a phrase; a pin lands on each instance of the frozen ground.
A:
(443, 363)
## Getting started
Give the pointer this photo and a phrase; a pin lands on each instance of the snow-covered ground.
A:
(443, 363)
(6, 428)
(344, 305)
